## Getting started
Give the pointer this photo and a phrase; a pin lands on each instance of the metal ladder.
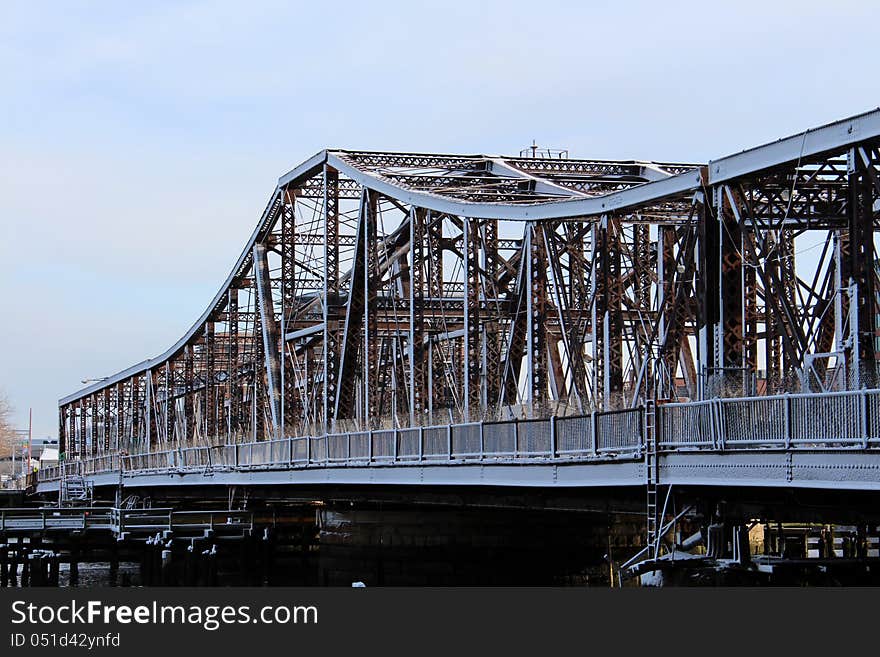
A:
(76, 490)
(651, 476)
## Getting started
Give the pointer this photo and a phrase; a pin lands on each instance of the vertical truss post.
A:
(62, 429)
(788, 295)
(170, 403)
(472, 325)
(233, 382)
(355, 316)
(291, 404)
(607, 315)
(491, 324)
(418, 391)
(613, 355)
(729, 330)
(221, 356)
(93, 407)
(436, 244)
(134, 413)
(772, 341)
(577, 312)
(92, 403)
(536, 332)
(372, 391)
(106, 427)
(665, 278)
(152, 409)
(861, 266)
(331, 351)
(271, 338)
(73, 447)
(708, 246)
(120, 416)
(641, 261)
(516, 342)
(750, 305)
(189, 424)
(82, 429)
(210, 417)
(149, 415)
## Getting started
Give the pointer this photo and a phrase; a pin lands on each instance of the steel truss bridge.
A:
(418, 318)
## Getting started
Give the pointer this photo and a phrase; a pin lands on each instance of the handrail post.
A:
(449, 441)
(394, 437)
(515, 438)
(308, 450)
(863, 417)
(290, 450)
(421, 443)
(720, 439)
(369, 446)
(326, 449)
(552, 437)
(594, 433)
(787, 421)
(482, 442)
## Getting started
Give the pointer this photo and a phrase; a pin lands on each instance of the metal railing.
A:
(840, 420)
(54, 519)
(598, 435)
(126, 521)
(835, 420)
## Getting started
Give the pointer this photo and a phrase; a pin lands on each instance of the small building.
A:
(48, 457)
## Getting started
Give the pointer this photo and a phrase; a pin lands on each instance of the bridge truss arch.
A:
(388, 290)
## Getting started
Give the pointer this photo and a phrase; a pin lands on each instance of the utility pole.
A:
(30, 437)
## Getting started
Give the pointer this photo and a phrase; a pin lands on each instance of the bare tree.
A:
(7, 432)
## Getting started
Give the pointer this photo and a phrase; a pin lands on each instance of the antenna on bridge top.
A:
(534, 151)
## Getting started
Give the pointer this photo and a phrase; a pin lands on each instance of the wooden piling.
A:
(114, 565)
(74, 565)
(13, 566)
(25, 567)
(167, 565)
(54, 569)
(4, 565)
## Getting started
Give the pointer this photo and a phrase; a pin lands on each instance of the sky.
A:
(139, 142)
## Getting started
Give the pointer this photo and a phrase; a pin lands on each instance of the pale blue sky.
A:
(140, 141)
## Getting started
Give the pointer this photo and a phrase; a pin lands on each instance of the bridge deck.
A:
(806, 441)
